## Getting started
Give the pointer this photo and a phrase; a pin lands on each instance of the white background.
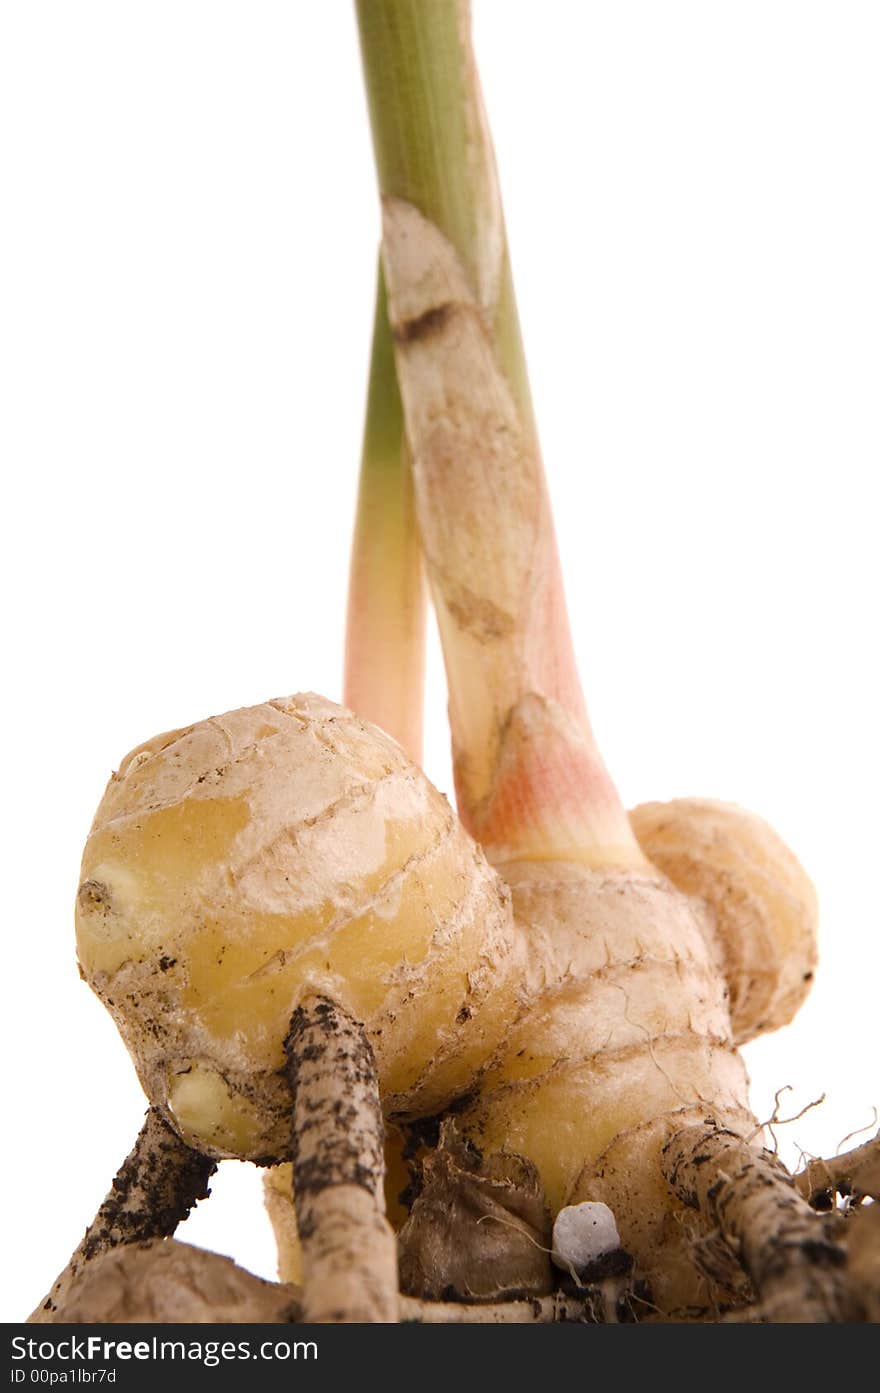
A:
(189, 235)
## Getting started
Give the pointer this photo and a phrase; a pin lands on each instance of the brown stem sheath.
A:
(349, 1250)
(156, 1187)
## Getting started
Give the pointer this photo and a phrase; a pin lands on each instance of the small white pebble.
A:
(582, 1234)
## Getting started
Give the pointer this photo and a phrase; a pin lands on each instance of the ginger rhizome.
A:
(238, 865)
(541, 998)
(285, 848)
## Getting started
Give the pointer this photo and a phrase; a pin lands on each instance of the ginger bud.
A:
(761, 903)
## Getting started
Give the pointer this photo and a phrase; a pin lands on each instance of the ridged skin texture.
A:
(236, 863)
(288, 847)
(623, 1018)
(624, 1035)
(761, 903)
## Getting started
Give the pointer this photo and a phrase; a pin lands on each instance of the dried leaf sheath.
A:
(529, 778)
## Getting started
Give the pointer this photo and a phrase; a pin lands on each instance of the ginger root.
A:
(578, 992)
(286, 847)
(576, 989)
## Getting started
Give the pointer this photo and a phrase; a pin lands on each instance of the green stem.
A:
(433, 148)
(530, 782)
(385, 632)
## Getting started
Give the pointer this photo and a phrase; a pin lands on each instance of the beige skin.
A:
(761, 904)
(639, 989)
(289, 848)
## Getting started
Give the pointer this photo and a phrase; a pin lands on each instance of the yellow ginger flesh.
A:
(761, 902)
(236, 863)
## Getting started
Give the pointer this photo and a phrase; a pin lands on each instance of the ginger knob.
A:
(761, 903)
(287, 847)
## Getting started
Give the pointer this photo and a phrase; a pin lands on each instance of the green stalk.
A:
(530, 782)
(385, 631)
(433, 148)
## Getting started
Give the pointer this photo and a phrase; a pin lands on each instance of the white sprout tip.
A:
(582, 1234)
